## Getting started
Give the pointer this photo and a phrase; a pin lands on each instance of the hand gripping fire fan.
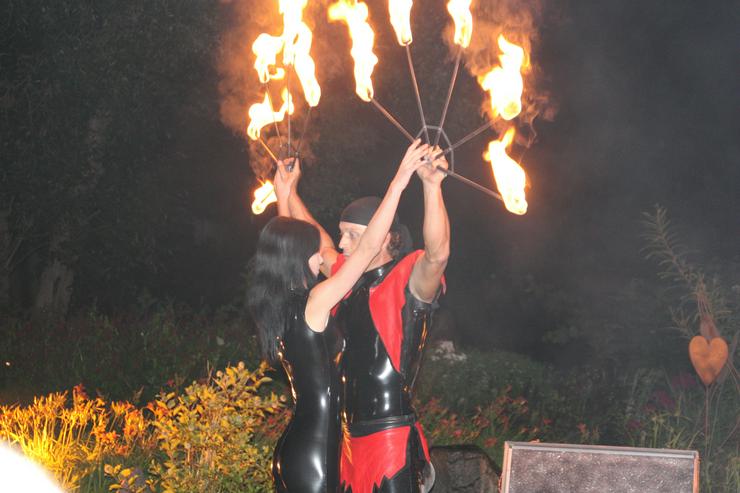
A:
(504, 84)
(295, 45)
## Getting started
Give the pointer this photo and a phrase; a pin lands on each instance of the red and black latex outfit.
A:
(384, 325)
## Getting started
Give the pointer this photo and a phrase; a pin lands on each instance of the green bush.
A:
(470, 400)
(216, 436)
(464, 385)
(504, 418)
(673, 414)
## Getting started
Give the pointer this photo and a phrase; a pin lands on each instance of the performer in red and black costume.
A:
(292, 311)
(384, 321)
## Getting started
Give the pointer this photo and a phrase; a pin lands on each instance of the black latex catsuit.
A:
(307, 454)
(377, 396)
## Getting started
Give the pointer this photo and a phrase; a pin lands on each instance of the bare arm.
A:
(291, 205)
(328, 293)
(426, 277)
(282, 187)
(298, 210)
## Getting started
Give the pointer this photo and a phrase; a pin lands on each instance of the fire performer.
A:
(384, 321)
(292, 313)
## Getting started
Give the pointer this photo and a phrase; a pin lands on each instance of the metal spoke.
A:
(416, 93)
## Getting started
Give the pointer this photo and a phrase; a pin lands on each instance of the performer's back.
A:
(307, 454)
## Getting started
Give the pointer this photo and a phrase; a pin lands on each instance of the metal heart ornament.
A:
(708, 357)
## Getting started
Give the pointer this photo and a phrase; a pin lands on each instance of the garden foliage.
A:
(215, 436)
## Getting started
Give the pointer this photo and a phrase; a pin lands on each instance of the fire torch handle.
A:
(468, 182)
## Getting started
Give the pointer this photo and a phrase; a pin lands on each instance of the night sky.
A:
(647, 113)
(647, 104)
(647, 98)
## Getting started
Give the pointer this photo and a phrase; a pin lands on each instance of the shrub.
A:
(504, 418)
(70, 439)
(216, 436)
(210, 436)
(464, 385)
(673, 414)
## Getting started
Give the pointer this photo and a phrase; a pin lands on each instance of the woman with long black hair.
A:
(292, 314)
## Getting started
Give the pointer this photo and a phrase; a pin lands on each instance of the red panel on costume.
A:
(386, 302)
(337, 263)
(380, 455)
(423, 439)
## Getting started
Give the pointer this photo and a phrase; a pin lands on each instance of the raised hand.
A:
(429, 173)
(287, 175)
(411, 162)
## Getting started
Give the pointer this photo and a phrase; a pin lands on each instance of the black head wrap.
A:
(361, 211)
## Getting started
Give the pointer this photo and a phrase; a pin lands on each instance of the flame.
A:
(400, 12)
(295, 44)
(261, 114)
(263, 196)
(292, 11)
(505, 82)
(266, 49)
(305, 68)
(354, 14)
(510, 177)
(297, 38)
(463, 19)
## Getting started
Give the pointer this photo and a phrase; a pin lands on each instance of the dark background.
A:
(121, 177)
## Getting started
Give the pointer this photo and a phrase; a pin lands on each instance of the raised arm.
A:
(426, 276)
(328, 293)
(282, 184)
(291, 205)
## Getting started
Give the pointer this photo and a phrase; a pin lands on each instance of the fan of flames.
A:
(504, 82)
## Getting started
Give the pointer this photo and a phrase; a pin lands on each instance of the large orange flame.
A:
(354, 14)
(505, 83)
(463, 19)
(295, 44)
(292, 11)
(400, 12)
(263, 196)
(510, 177)
(305, 68)
(262, 114)
(266, 49)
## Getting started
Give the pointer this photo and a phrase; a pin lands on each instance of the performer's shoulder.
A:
(401, 272)
(409, 260)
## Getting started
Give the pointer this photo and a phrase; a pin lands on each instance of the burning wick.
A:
(504, 83)
(510, 177)
(263, 196)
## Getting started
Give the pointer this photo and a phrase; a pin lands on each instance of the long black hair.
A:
(278, 271)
